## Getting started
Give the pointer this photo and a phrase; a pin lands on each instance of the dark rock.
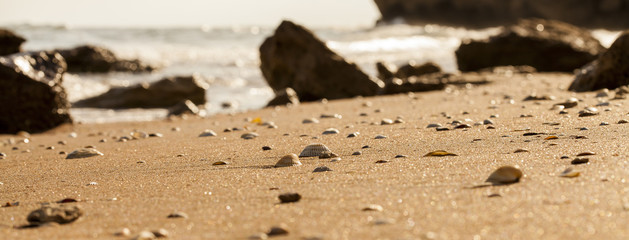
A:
(545, 45)
(57, 214)
(32, 96)
(283, 97)
(385, 72)
(289, 197)
(610, 70)
(95, 59)
(294, 57)
(489, 13)
(10, 42)
(411, 69)
(161, 94)
(415, 84)
(183, 107)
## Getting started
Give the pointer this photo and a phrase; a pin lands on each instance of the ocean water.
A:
(228, 59)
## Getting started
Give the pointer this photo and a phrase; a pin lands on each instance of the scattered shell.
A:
(398, 120)
(442, 129)
(488, 122)
(569, 173)
(520, 150)
(178, 215)
(354, 134)
(357, 153)
(380, 137)
(276, 231)
(505, 175)
(84, 153)
(161, 233)
(322, 169)
(250, 135)
(400, 156)
(336, 159)
(158, 135)
(604, 124)
(289, 197)
(72, 135)
(125, 232)
(92, 184)
(590, 111)
(586, 153)
(328, 154)
(219, 163)
(577, 161)
(494, 195)
(266, 148)
(366, 146)
(623, 121)
(58, 214)
(439, 153)
(207, 133)
(314, 150)
(373, 207)
(386, 121)
(145, 235)
(139, 135)
(551, 138)
(310, 120)
(288, 161)
(382, 161)
(434, 125)
(330, 131)
(570, 103)
(258, 236)
(331, 116)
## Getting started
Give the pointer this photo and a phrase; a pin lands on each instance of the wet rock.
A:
(283, 97)
(385, 71)
(10, 42)
(412, 69)
(183, 107)
(32, 96)
(546, 45)
(57, 214)
(294, 57)
(161, 94)
(610, 70)
(96, 59)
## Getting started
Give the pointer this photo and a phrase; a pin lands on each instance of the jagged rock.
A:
(610, 70)
(545, 45)
(95, 59)
(283, 97)
(411, 69)
(161, 94)
(32, 96)
(10, 42)
(294, 57)
(183, 107)
(433, 81)
(386, 72)
(610, 14)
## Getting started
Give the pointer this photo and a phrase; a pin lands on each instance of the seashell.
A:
(386, 121)
(380, 137)
(178, 215)
(382, 161)
(551, 138)
(604, 124)
(569, 173)
(373, 207)
(328, 154)
(139, 135)
(266, 148)
(277, 231)
(336, 159)
(250, 135)
(258, 236)
(439, 153)
(314, 150)
(399, 120)
(578, 161)
(588, 112)
(354, 134)
(505, 175)
(84, 153)
(623, 121)
(125, 232)
(331, 116)
(439, 129)
(586, 153)
(288, 161)
(145, 235)
(310, 120)
(220, 163)
(570, 103)
(161, 233)
(330, 131)
(207, 133)
(357, 153)
(322, 169)
(488, 122)
(289, 197)
(400, 156)
(464, 125)
(520, 150)
(434, 125)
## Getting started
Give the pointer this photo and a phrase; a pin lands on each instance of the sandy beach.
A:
(136, 184)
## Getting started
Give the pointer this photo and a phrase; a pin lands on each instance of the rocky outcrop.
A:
(543, 44)
(31, 96)
(412, 69)
(10, 42)
(183, 107)
(161, 94)
(295, 58)
(611, 14)
(610, 70)
(283, 97)
(95, 59)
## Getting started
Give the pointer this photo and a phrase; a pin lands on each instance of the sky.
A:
(177, 13)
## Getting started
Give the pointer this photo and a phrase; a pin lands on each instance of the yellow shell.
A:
(505, 175)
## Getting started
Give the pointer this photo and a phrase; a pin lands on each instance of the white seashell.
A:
(330, 131)
(139, 134)
(373, 207)
(314, 150)
(386, 121)
(288, 161)
(84, 153)
(207, 133)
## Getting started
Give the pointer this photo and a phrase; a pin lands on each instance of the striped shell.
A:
(288, 161)
(314, 150)
(84, 153)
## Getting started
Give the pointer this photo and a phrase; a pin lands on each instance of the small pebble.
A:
(366, 146)
(623, 121)
(354, 134)
(277, 231)
(330, 131)
(380, 137)
(322, 169)
(178, 215)
(584, 129)
(207, 133)
(488, 122)
(564, 157)
(442, 129)
(250, 135)
(266, 148)
(386, 121)
(357, 153)
(577, 161)
(434, 125)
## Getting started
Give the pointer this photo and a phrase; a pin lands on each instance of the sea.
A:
(228, 58)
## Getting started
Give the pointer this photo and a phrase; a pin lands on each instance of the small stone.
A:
(439, 129)
(354, 134)
(586, 153)
(604, 124)
(366, 146)
(584, 129)
(310, 120)
(357, 153)
(330, 131)
(623, 121)
(125, 232)
(322, 169)
(50, 148)
(277, 231)
(207, 133)
(400, 156)
(58, 214)
(373, 207)
(564, 157)
(178, 215)
(505, 175)
(62, 142)
(266, 148)
(288, 161)
(434, 125)
(380, 137)
(488, 122)
(161, 233)
(84, 153)
(250, 135)
(577, 161)
(563, 112)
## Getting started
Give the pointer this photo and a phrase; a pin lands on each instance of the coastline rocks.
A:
(294, 57)
(162, 94)
(96, 59)
(610, 70)
(32, 96)
(546, 45)
(183, 107)
(412, 69)
(283, 97)
(57, 214)
(10, 42)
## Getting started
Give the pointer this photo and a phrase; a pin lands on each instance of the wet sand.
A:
(140, 182)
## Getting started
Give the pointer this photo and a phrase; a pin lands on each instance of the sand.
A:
(421, 197)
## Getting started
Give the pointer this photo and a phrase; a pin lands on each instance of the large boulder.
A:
(543, 44)
(161, 94)
(31, 96)
(295, 58)
(610, 70)
(95, 59)
(10, 42)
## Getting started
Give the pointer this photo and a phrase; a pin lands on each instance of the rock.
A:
(10, 42)
(183, 107)
(283, 97)
(95, 59)
(32, 96)
(546, 45)
(294, 57)
(161, 94)
(411, 69)
(385, 72)
(289, 197)
(610, 70)
(415, 84)
(58, 214)
(488, 13)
